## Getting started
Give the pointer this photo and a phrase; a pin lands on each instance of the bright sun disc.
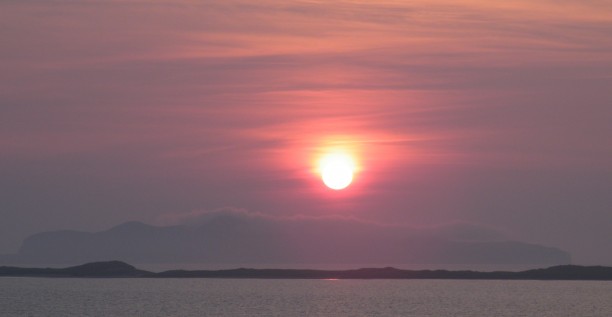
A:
(337, 171)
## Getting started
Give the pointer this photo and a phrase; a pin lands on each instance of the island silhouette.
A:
(118, 269)
(241, 237)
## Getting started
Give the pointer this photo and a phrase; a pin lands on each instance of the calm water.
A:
(236, 297)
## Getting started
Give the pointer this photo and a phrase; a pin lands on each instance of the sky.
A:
(488, 113)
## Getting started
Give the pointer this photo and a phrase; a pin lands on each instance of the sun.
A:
(337, 170)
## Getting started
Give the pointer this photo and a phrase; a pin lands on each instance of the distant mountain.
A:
(239, 238)
(120, 269)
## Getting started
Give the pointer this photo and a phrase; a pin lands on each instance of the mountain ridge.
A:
(250, 239)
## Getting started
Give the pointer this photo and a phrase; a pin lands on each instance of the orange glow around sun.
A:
(336, 160)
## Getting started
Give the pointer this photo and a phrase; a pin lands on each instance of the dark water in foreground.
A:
(256, 297)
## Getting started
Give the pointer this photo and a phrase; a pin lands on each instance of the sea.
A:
(22, 296)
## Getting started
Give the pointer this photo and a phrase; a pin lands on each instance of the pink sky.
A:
(489, 113)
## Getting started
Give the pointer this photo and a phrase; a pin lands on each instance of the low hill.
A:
(96, 269)
(120, 269)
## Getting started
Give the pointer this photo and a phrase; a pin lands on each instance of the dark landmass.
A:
(244, 238)
(96, 269)
(115, 269)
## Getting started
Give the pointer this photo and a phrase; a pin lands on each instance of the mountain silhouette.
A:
(236, 238)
